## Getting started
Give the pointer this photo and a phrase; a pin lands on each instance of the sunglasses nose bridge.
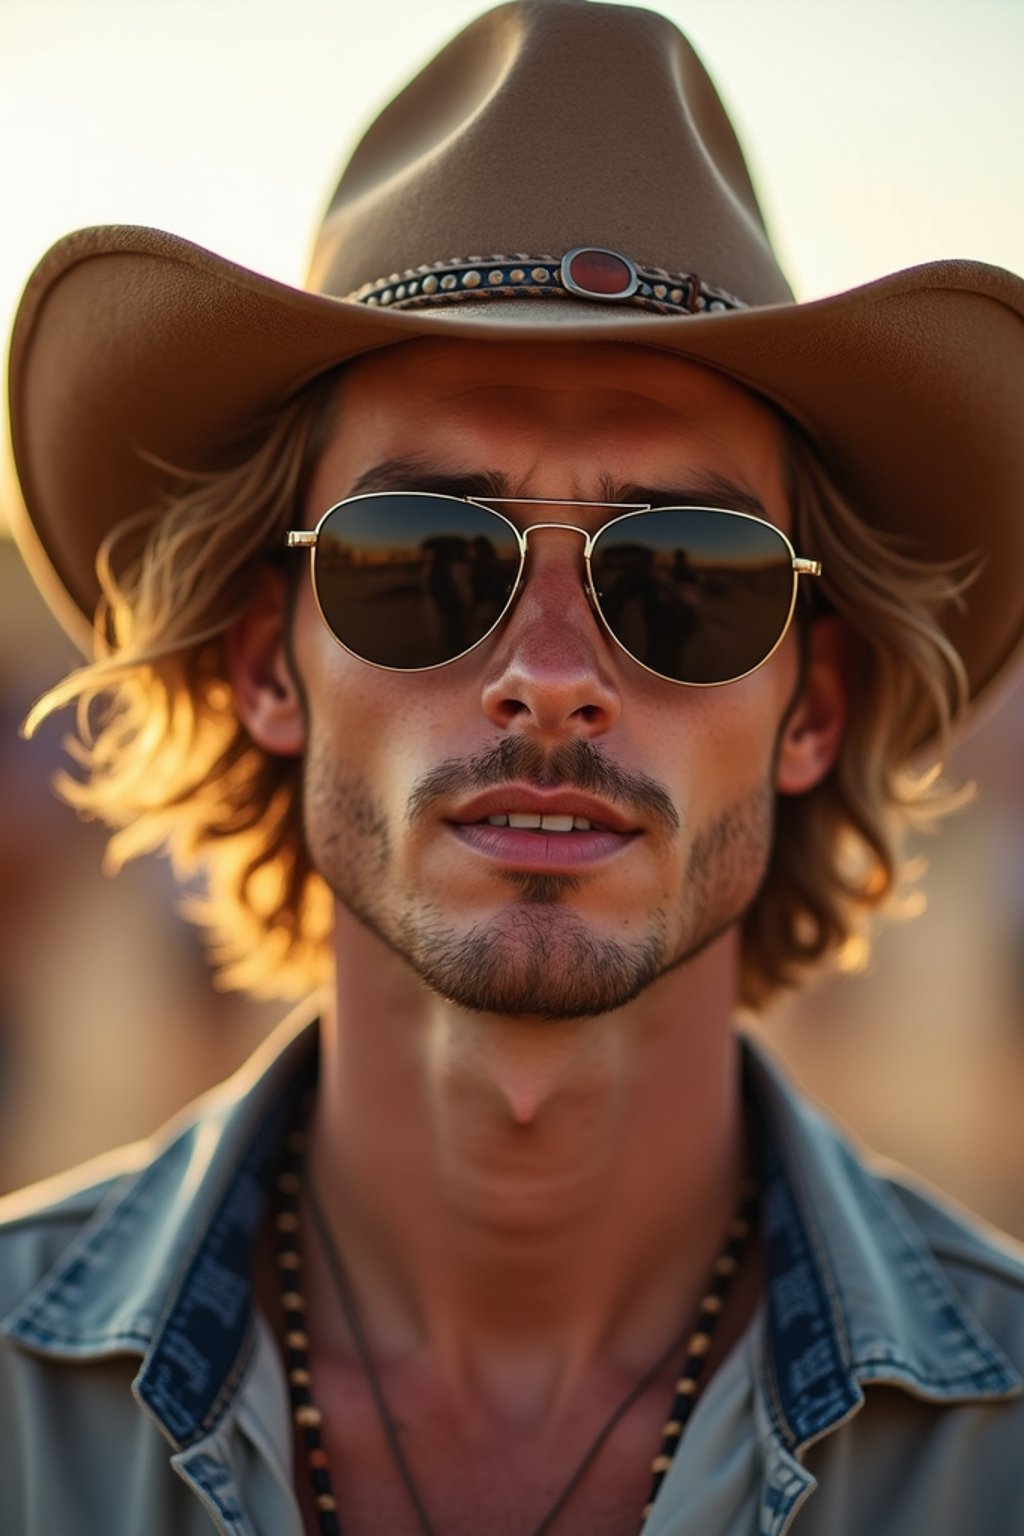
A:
(562, 528)
(588, 544)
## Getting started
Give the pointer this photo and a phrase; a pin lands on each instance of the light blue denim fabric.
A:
(140, 1392)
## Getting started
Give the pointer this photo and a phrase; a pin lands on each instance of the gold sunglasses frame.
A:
(304, 538)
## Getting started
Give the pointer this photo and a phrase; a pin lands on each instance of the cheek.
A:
(369, 723)
(722, 741)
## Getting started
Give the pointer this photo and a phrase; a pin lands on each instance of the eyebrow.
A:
(412, 474)
(707, 489)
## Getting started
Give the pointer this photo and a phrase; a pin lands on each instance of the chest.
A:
(475, 1485)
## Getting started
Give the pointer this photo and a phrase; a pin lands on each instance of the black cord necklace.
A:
(309, 1419)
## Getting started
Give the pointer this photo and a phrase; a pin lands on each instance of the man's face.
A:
(402, 770)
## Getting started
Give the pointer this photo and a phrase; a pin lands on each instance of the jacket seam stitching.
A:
(90, 1244)
(89, 1341)
(965, 1378)
(227, 1392)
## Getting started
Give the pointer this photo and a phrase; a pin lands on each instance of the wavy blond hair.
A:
(165, 761)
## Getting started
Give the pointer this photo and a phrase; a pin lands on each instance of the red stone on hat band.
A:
(599, 274)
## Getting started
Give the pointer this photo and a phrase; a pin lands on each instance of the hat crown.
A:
(546, 125)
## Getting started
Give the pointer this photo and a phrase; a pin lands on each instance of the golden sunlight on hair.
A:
(163, 757)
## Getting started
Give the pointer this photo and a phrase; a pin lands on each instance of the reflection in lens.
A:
(696, 594)
(408, 580)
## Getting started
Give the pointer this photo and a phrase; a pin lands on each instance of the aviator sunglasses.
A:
(410, 580)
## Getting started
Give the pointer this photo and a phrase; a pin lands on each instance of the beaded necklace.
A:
(309, 1419)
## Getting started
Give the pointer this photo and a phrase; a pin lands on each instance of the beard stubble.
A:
(538, 958)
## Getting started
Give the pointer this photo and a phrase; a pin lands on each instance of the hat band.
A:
(590, 273)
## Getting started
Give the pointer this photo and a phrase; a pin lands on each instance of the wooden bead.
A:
(308, 1415)
(661, 1463)
(296, 1340)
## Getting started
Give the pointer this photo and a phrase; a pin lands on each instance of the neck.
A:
(520, 1196)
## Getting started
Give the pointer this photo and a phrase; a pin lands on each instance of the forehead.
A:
(559, 419)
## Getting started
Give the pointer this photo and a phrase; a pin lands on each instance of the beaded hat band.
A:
(586, 272)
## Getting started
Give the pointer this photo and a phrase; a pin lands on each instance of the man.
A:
(631, 588)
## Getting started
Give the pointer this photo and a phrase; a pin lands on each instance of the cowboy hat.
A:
(579, 164)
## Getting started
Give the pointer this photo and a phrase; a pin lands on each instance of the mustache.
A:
(573, 764)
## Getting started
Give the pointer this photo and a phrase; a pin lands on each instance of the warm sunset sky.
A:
(883, 132)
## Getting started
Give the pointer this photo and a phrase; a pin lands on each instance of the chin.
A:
(532, 961)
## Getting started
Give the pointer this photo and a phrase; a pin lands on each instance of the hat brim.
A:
(132, 344)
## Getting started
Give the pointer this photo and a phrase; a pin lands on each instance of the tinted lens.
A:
(698, 595)
(409, 581)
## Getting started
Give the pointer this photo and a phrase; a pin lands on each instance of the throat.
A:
(552, 1187)
(526, 1122)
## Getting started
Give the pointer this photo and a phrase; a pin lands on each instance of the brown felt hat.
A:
(560, 171)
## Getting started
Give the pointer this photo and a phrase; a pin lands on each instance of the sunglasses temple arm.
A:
(300, 539)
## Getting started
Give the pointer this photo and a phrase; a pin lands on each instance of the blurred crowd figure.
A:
(109, 1022)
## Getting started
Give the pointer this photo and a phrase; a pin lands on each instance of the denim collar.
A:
(854, 1293)
(161, 1269)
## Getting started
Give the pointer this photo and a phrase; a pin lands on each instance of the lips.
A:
(522, 827)
(526, 801)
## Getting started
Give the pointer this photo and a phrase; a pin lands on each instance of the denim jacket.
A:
(877, 1391)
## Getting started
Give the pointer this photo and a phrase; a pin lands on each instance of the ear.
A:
(267, 697)
(812, 733)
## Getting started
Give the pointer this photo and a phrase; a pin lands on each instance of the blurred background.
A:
(881, 134)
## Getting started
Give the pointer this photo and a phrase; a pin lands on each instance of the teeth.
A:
(530, 821)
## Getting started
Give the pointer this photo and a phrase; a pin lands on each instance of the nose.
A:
(551, 670)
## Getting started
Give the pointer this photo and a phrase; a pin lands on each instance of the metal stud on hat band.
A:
(586, 272)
